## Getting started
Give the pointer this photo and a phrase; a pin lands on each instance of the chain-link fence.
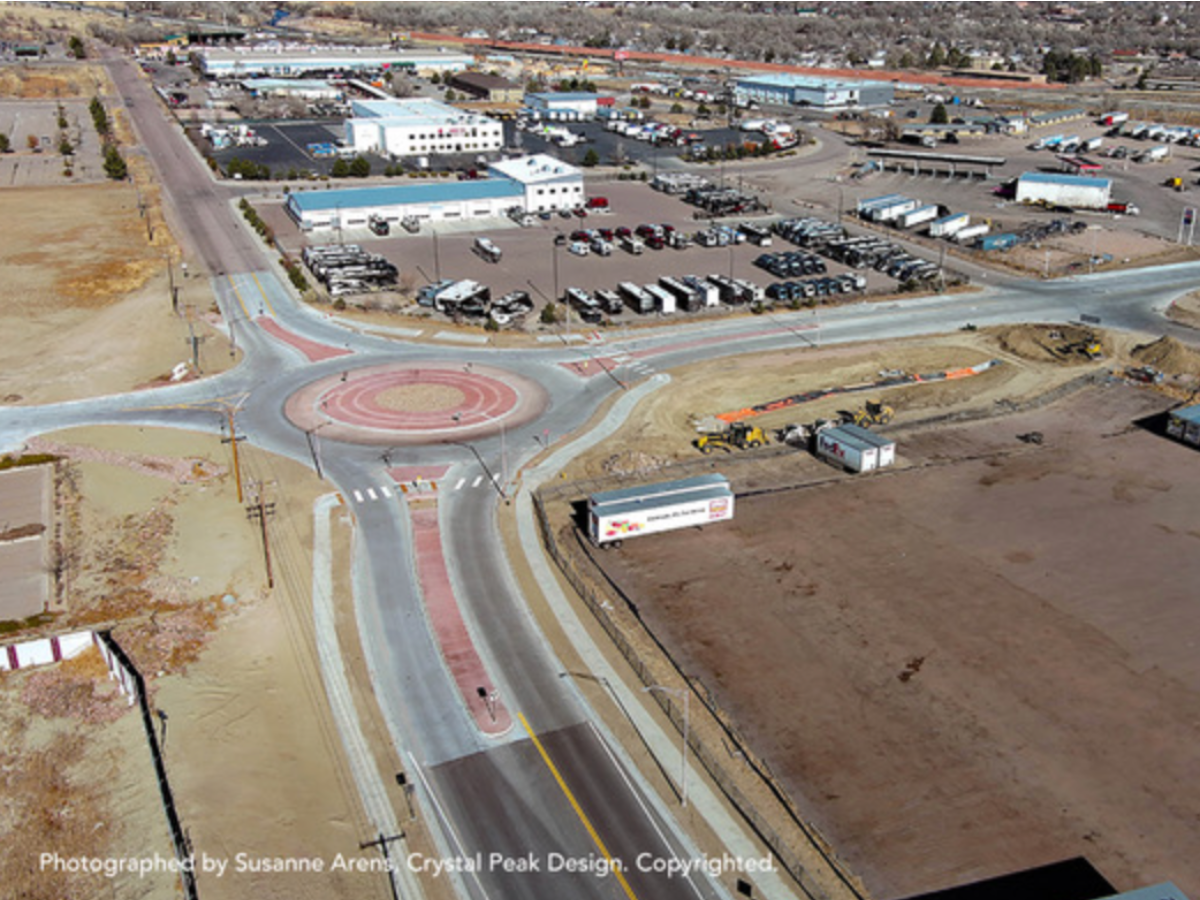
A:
(617, 615)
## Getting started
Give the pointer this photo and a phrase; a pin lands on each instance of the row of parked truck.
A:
(865, 251)
(688, 293)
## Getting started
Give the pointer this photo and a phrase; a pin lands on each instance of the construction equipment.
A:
(1144, 374)
(873, 412)
(738, 436)
(1175, 182)
(803, 435)
(1088, 345)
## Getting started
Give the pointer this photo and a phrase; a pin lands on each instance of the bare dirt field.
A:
(77, 274)
(668, 420)
(160, 543)
(979, 662)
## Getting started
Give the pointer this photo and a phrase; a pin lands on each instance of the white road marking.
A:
(371, 493)
(358, 497)
(461, 482)
(475, 483)
(387, 492)
(642, 803)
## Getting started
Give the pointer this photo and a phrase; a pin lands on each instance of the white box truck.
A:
(616, 515)
(968, 234)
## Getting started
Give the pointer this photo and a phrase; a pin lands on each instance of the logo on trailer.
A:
(719, 508)
(622, 526)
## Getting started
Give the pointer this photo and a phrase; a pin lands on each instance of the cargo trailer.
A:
(918, 216)
(636, 298)
(885, 446)
(949, 225)
(838, 446)
(664, 300)
(616, 515)
(998, 241)
(968, 234)
(893, 210)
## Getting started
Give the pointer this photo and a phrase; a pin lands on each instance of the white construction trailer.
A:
(616, 515)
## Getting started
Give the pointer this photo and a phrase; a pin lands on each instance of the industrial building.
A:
(584, 105)
(797, 90)
(303, 88)
(491, 88)
(534, 183)
(1076, 191)
(293, 63)
(417, 127)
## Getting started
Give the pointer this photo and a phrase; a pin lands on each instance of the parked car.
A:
(579, 248)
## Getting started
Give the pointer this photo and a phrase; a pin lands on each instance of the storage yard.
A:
(941, 663)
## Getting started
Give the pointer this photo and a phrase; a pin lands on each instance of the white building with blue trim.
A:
(535, 184)
(783, 89)
(417, 127)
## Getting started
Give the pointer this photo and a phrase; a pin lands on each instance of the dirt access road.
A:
(982, 662)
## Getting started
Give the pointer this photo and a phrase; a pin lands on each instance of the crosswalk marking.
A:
(461, 482)
(386, 492)
(371, 493)
(478, 479)
(358, 497)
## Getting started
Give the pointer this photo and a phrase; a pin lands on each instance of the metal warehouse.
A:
(535, 184)
(798, 90)
(417, 127)
(277, 61)
(1078, 191)
(583, 104)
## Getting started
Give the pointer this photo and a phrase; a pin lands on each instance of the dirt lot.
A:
(77, 273)
(958, 650)
(160, 542)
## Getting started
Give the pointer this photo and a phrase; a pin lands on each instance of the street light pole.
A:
(687, 695)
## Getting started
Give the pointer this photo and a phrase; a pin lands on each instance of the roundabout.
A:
(416, 403)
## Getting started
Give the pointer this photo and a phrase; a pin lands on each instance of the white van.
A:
(487, 249)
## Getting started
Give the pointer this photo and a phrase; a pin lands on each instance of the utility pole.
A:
(382, 843)
(232, 440)
(259, 509)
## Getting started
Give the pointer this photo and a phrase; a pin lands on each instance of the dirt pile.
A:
(1169, 356)
(633, 462)
(1045, 343)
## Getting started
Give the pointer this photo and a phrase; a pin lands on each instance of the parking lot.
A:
(38, 119)
(538, 260)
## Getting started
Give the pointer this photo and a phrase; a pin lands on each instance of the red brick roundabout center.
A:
(416, 403)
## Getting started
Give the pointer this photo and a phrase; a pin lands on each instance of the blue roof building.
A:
(533, 184)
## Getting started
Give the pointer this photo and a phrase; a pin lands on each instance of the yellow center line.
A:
(613, 865)
(266, 299)
(238, 294)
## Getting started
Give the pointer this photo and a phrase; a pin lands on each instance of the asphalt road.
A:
(514, 795)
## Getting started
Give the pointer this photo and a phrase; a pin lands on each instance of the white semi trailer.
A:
(616, 515)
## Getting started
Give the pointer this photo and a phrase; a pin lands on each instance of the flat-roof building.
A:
(582, 103)
(491, 88)
(783, 89)
(288, 62)
(534, 183)
(417, 127)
